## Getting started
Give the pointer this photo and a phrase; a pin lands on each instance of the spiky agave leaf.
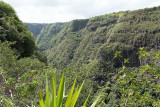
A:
(60, 92)
(56, 101)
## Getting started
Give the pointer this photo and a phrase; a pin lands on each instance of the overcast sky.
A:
(50, 11)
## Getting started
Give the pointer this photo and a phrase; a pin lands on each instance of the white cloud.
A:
(49, 11)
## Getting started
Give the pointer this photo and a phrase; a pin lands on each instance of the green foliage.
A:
(126, 61)
(6, 102)
(140, 87)
(13, 30)
(142, 53)
(118, 54)
(80, 42)
(53, 100)
(88, 45)
(8, 57)
(134, 86)
(19, 78)
(20, 70)
(6, 9)
(77, 25)
(88, 48)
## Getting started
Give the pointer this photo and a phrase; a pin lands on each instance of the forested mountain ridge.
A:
(102, 53)
(116, 54)
(81, 42)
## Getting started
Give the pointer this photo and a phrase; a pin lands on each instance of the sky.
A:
(51, 11)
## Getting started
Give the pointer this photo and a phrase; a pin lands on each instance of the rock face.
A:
(80, 42)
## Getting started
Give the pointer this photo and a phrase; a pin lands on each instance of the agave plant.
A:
(54, 99)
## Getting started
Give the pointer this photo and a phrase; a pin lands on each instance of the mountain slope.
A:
(81, 42)
(35, 28)
(86, 48)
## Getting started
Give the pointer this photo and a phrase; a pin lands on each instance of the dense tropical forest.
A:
(113, 58)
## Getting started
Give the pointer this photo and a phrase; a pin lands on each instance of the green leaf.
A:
(41, 103)
(95, 102)
(47, 100)
(54, 100)
(40, 95)
(73, 100)
(84, 105)
(68, 101)
(60, 92)
(76, 95)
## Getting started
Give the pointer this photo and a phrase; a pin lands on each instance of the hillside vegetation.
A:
(88, 47)
(80, 42)
(115, 57)
(21, 64)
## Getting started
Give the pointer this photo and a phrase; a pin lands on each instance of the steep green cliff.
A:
(80, 42)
